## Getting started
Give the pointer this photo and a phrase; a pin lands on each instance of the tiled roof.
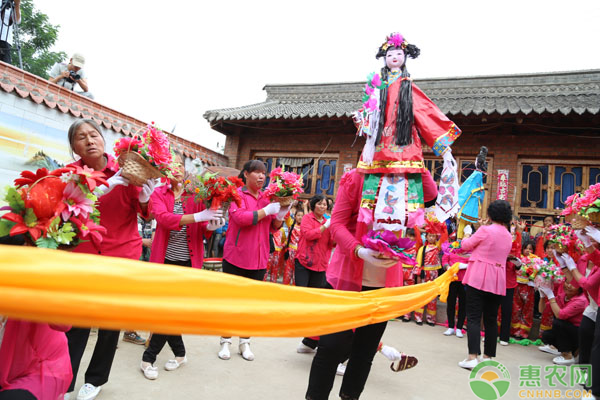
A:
(41, 91)
(564, 92)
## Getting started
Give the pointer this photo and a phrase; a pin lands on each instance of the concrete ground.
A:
(279, 372)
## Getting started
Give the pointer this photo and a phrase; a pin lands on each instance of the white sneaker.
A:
(468, 364)
(245, 350)
(459, 333)
(88, 392)
(150, 371)
(67, 396)
(341, 370)
(302, 348)
(172, 365)
(549, 349)
(449, 332)
(224, 353)
(503, 343)
(560, 360)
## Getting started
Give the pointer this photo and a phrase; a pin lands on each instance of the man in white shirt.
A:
(7, 20)
(71, 74)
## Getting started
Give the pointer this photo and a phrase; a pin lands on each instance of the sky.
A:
(169, 62)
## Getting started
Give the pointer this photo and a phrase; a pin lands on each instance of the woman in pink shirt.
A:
(181, 224)
(246, 250)
(567, 307)
(119, 207)
(312, 257)
(485, 280)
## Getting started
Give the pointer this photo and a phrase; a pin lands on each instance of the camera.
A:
(74, 75)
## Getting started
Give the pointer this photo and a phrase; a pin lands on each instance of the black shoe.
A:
(405, 319)
(430, 323)
(419, 322)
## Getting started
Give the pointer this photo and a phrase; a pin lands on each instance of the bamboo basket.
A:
(284, 201)
(579, 222)
(137, 169)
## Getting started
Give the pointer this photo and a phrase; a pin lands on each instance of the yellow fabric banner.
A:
(115, 293)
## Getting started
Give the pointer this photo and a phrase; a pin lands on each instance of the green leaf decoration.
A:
(14, 200)
(365, 98)
(46, 242)
(5, 227)
(30, 217)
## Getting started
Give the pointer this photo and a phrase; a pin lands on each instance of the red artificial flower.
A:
(89, 228)
(35, 229)
(29, 177)
(90, 177)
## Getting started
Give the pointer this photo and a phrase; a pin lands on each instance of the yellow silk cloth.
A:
(115, 293)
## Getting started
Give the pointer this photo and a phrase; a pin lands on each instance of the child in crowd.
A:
(276, 257)
(452, 253)
(523, 301)
(429, 263)
(289, 254)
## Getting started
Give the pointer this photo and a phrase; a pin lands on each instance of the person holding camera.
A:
(9, 13)
(71, 74)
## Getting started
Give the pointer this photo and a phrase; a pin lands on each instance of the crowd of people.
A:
(317, 244)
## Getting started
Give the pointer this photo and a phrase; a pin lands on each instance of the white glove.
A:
(542, 295)
(468, 230)
(113, 181)
(327, 223)
(283, 212)
(593, 233)
(547, 292)
(147, 190)
(370, 256)
(272, 208)
(560, 260)
(208, 215)
(462, 265)
(516, 261)
(569, 262)
(391, 353)
(215, 224)
(584, 238)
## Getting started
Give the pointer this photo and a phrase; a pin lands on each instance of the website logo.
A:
(489, 380)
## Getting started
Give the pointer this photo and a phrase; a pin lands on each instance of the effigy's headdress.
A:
(396, 40)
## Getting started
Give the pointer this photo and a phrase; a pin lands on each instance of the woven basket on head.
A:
(284, 201)
(137, 169)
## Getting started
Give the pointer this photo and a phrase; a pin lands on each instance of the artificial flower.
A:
(90, 177)
(389, 245)
(395, 40)
(76, 202)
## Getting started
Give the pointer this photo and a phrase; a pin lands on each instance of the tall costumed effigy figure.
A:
(376, 203)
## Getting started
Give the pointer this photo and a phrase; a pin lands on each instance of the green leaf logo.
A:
(489, 380)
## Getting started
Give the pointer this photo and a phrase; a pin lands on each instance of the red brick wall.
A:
(506, 145)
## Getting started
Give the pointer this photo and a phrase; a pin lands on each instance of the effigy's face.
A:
(394, 59)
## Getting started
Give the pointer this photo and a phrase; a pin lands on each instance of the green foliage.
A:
(47, 243)
(30, 217)
(5, 227)
(37, 36)
(62, 235)
(14, 200)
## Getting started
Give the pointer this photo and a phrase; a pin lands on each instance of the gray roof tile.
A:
(564, 92)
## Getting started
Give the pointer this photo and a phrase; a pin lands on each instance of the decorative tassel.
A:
(369, 149)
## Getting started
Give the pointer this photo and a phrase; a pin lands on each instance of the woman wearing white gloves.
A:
(567, 307)
(246, 250)
(119, 206)
(181, 224)
(591, 284)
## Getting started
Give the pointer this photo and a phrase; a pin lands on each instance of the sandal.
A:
(405, 362)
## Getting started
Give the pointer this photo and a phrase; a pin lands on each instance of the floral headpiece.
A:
(393, 40)
(432, 225)
(54, 209)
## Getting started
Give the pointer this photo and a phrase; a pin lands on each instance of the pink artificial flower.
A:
(290, 178)
(127, 143)
(275, 173)
(371, 104)
(158, 146)
(89, 228)
(376, 81)
(396, 40)
(76, 202)
(369, 90)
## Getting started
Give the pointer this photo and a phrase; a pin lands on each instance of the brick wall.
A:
(506, 145)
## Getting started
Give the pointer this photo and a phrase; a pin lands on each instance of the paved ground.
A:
(280, 373)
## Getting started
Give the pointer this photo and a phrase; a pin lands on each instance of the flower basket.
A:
(215, 191)
(561, 248)
(145, 157)
(594, 217)
(578, 221)
(389, 246)
(137, 169)
(284, 201)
